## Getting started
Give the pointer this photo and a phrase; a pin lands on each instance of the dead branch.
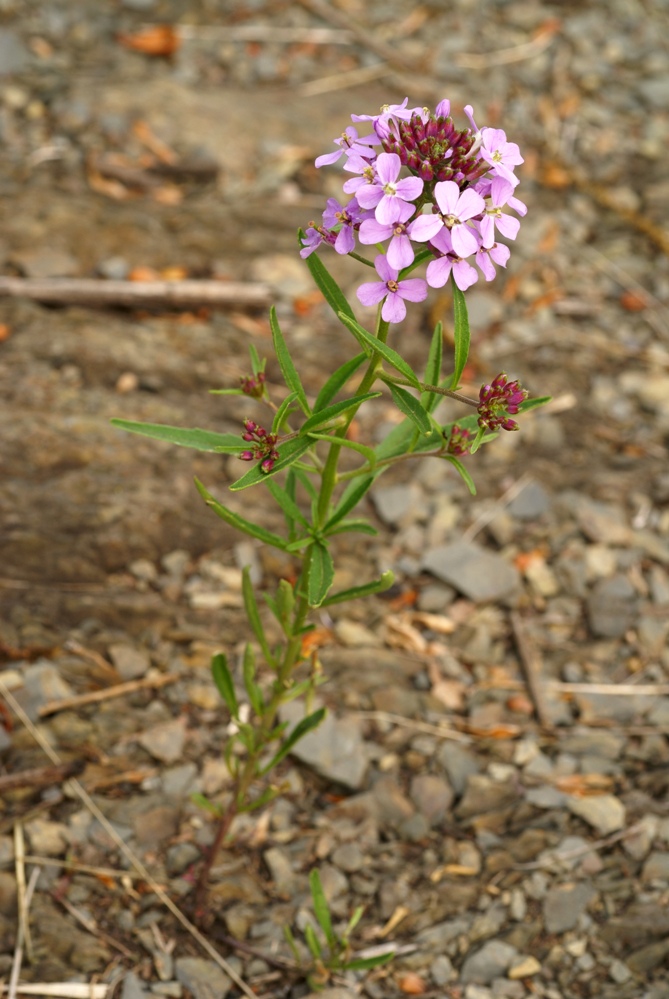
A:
(137, 294)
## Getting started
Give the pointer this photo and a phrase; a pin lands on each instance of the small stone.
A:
(165, 742)
(204, 979)
(442, 970)
(179, 781)
(525, 968)
(355, 635)
(619, 971)
(394, 503)
(459, 763)
(130, 662)
(432, 797)
(479, 574)
(50, 839)
(564, 904)
(612, 607)
(656, 867)
(180, 857)
(156, 824)
(491, 961)
(335, 750)
(280, 869)
(604, 812)
(531, 502)
(132, 987)
(348, 857)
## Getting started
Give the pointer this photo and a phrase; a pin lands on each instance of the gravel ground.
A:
(492, 782)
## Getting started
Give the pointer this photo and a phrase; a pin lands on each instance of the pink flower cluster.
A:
(417, 179)
(263, 449)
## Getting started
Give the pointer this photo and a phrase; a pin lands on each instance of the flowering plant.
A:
(421, 191)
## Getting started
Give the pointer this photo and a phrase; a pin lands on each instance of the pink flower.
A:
(455, 209)
(393, 291)
(502, 156)
(439, 270)
(387, 195)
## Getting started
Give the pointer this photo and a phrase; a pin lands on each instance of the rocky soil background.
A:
(492, 780)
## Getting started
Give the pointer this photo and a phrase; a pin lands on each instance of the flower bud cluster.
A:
(460, 440)
(264, 446)
(253, 385)
(418, 179)
(498, 401)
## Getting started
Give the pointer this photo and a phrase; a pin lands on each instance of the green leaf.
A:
(228, 391)
(223, 680)
(312, 941)
(252, 688)
(321, 909)
(200, 440)
(321, 573)
(285, 604)
(234, 520)
(253, 616)
(256, 364)
(353, 921)
(202, 801)
(357, 524)
(336, 409)
(430, 400)
(364, 963)
(529, 404)
(367, 341)
(348, 500)
(379, 585)
(461, 334)
(269, 794)
(464, 474)
(337, 381)
(289, 451)
(283, 412)
(290, 940)
(366, 452)
(288, 369)
(287, 503)
(329, 288)
(304, 726)
(411, 407)
(299, 543)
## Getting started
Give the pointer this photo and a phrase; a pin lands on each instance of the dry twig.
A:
(531, 663)
(95, 696)
(137, 294)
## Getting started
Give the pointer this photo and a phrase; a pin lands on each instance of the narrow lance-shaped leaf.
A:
(304, 726)
(379, 585)
(321, 573)
(349, 499)
(240, 523)
(321, 909)
(329, 288)
(223, 680)
(336, 381)
(282, 412)
(463, 472)
(367, 452)
(200, 440)
(430, 400)
(411, 407)
(336, 409)
(287, 503)
(288, 369)
(373, 343)
(253, 616)
(365, 963)
(460, 333)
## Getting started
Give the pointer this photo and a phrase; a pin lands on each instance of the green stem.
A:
(329, 479)
(433, 388)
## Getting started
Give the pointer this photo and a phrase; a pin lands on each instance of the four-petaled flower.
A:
(455, 209)
(388, 194)
(392, 290)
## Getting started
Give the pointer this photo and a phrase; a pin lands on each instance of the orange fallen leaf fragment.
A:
(141, 273)
(584, 785)
(633, 301)
(158, 40)
(5, 332)
(556, 176)
(411, 984)
(500, 731)
(520, 704)
(303, 305)
(174, 273)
